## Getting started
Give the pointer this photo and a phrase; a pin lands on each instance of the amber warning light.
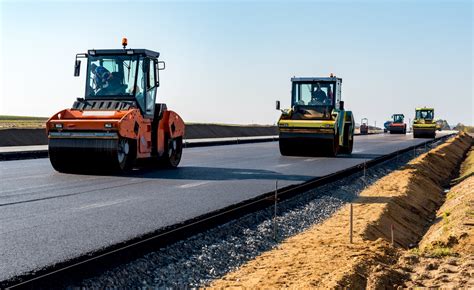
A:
(124, 42)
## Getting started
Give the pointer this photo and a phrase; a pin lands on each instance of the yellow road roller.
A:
(317, 123)
(424, 125)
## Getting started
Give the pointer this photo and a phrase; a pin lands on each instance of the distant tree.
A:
(443, 124)
(463, 128)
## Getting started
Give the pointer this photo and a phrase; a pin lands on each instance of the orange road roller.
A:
(364, 126)
(398, 125)
(117, 123)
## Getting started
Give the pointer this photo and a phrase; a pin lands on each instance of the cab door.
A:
(151, 86)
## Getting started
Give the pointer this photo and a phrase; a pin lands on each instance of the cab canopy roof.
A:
(145, 52)
(424, 109)
(315, 79)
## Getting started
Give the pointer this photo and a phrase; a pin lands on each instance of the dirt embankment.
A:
(405, 201)
(445, 254)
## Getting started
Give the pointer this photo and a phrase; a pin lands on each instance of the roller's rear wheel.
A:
(125, 155)
(173, 153)
(334, 146)
(348, 148)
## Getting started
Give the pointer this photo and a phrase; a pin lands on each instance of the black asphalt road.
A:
(48, 217)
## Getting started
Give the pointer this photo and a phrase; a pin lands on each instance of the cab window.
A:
(151, 87)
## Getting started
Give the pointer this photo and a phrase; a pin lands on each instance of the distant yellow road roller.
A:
(317, 123)
(424, 125)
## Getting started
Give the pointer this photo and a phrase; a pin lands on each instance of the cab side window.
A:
(151, 87)
(151, 75)
(139, 88)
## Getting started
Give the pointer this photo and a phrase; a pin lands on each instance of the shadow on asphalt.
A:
(360, 156)
(216, 173)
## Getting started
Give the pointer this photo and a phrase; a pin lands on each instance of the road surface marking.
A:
(102, 204)
(283, 165)
(189, 185)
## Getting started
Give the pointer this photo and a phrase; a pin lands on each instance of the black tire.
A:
(126, 154)
(347, 149)
(173, 153)
(334, 147)
(348, 144)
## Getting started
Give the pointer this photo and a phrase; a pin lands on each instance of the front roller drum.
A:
(309, 146)
(423, 134)
(89, 155)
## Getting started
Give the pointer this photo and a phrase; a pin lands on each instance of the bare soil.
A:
(445, 255)
(322, 257)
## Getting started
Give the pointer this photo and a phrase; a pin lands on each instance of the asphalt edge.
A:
(35, 154)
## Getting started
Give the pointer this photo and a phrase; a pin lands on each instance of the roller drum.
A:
(85, 155)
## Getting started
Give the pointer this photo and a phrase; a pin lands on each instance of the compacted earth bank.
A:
(445, 255)
(413, 227)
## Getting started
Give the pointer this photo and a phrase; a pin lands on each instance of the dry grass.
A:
(21, 122)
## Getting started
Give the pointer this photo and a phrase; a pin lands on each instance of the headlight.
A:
(58, 126)
(108, 125)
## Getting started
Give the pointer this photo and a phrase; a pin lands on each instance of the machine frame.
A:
(112, 132)
(301, 132)
(398, 127)
(424, 127)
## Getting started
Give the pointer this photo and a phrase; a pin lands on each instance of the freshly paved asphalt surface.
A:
(48, 217)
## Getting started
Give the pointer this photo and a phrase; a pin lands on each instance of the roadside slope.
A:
(445, 254)
(322, 257)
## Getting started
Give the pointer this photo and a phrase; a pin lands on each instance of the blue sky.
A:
(228, 62)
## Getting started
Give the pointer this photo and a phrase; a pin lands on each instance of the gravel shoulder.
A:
(405, 200)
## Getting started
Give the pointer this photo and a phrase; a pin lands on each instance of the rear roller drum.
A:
(286, 148)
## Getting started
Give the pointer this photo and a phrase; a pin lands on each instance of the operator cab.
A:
(315, 98)
(122, 76)
(425, 114)
(398, 118)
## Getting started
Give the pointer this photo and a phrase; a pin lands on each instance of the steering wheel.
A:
(326, 101)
